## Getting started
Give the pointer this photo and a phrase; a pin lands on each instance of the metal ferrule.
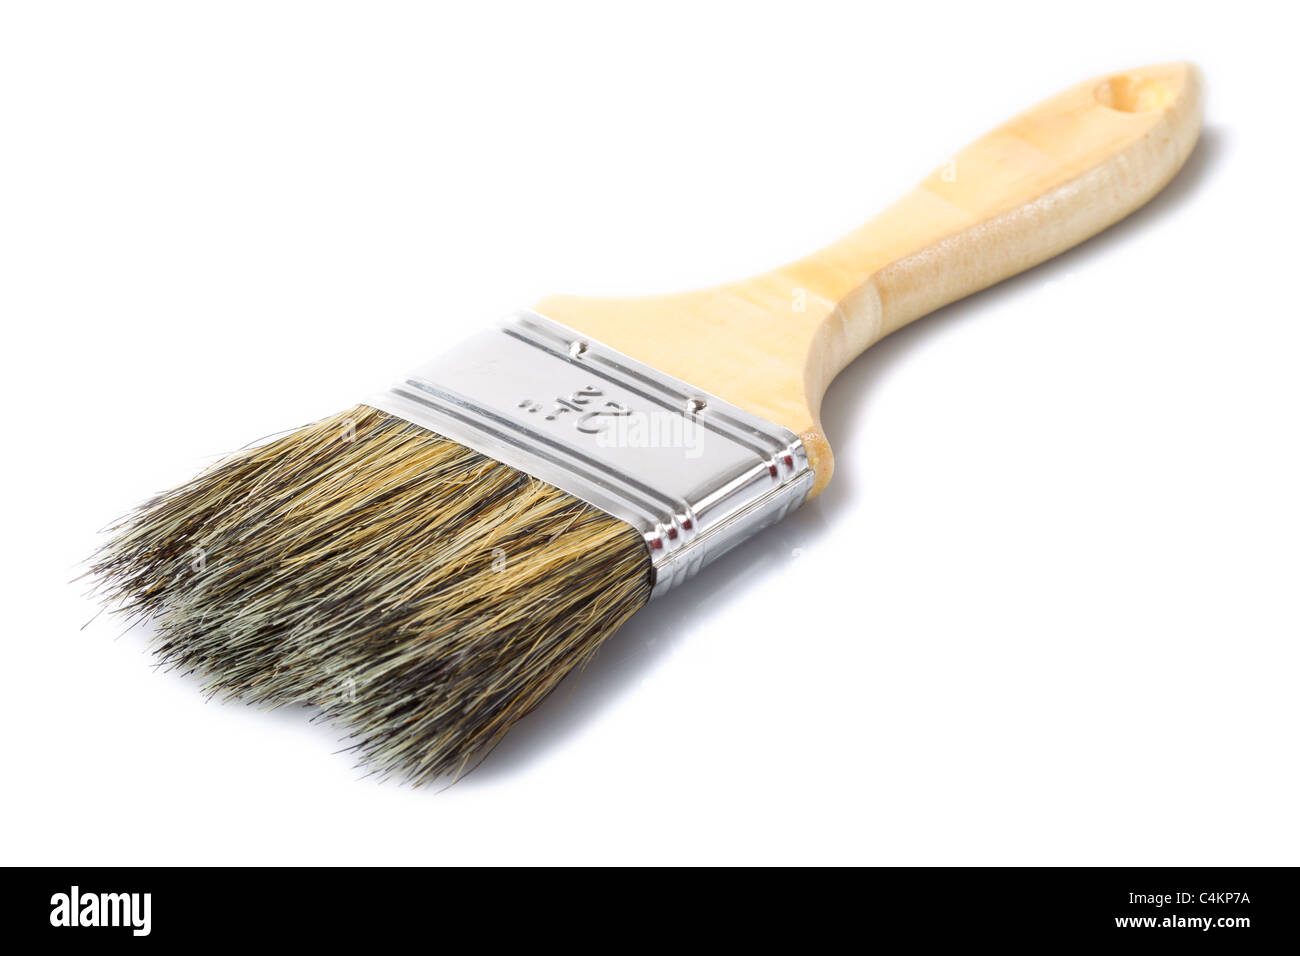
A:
(693, 474)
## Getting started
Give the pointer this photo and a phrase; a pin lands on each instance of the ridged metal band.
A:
(694, 474)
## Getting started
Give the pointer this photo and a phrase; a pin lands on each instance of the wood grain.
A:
(1035, 186)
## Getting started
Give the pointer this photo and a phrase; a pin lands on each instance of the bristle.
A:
(424, 596)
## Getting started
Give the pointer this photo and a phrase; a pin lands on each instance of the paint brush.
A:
(426, 566)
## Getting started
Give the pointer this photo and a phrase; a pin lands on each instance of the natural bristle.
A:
(424, 596)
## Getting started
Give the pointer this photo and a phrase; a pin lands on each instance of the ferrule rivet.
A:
(695, 405)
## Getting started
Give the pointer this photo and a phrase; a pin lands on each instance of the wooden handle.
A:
(1033, 187)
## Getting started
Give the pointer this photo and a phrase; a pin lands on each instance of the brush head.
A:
(422, 595)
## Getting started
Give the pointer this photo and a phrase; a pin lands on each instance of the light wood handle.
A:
(1035, 186)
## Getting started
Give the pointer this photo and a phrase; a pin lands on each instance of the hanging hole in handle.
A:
(1134, 94)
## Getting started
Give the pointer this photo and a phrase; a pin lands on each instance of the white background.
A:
(1046, 612)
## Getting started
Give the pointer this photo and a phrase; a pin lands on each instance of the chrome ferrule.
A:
(695, 475)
